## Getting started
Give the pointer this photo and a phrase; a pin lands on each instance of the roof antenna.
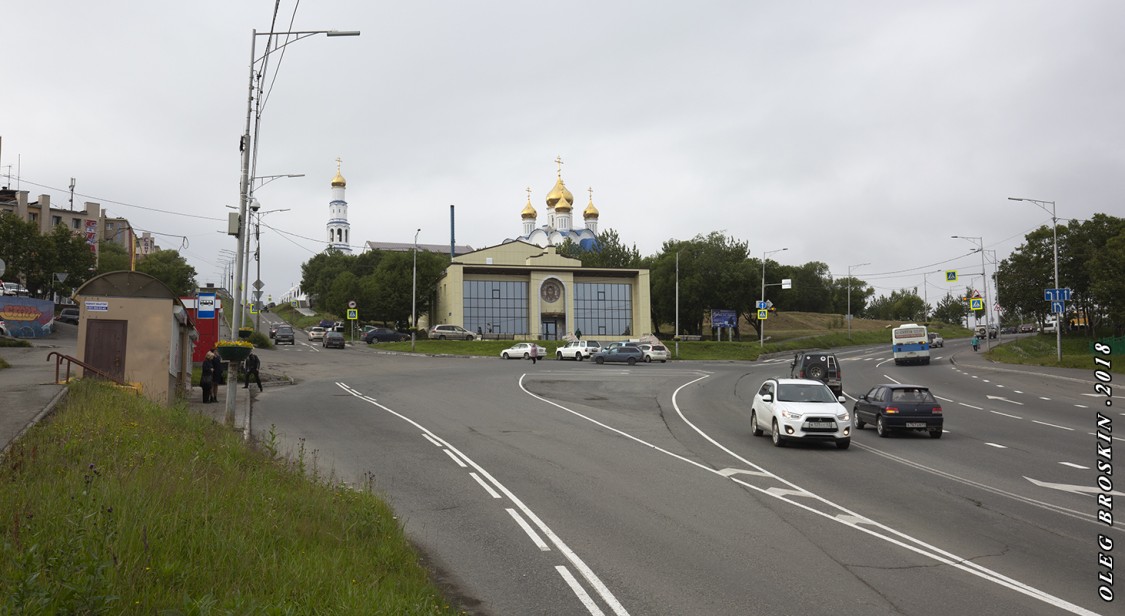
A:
(72, 194)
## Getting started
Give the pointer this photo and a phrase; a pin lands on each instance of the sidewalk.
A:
(28, 390)
(977, 360)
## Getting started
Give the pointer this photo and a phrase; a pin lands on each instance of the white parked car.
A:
(655, 352)
(578, 349)
(791, 409)
(316, 333)
(523, 349)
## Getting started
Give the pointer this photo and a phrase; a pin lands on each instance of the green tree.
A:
(68, 254)
(319, 272)
(1108, 283)
(901, 305)
(112, 257)
(609, 252)
(812, 288)
(715, 272)
(21, 248)
(949, 309)
(861, 293)
(169, 267)
(1022, 277)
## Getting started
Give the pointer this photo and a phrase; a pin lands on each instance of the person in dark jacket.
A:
(206, 377)
(219, 376)
(252, 365)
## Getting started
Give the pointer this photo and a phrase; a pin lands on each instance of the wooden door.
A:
(105, 345)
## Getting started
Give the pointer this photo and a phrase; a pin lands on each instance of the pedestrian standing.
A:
(206, 376)
(252, 366)
(534, 352)
(578, 333)
(975, 343)
(217, 378)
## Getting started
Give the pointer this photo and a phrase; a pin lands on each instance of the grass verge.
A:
(1041, 350)
(120, 506)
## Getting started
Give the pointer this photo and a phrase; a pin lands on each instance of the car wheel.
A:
(816, 371)
(632, 360)
(441, 337)
(578, 356)
(599, 361)
(525, 356)
(558, 356)
(935, 433)
(504, 355)
(648, 359)
(859, 423)
(775, 436)
(843, 443)
(755, 429)
(881, 428)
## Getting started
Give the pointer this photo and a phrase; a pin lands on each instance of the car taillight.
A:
(937, 410)
(891, 410)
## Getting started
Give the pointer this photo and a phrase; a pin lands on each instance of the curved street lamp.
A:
(850, 267)
(762, 324)
(1055, 241)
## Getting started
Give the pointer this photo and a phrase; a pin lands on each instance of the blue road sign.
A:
(205, 306)
(1056, 295)
(976, 303)
(763, 305)
(1058, 307)
(951, 275)
(723, 318)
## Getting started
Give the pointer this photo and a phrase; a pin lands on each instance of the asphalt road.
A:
(572, 488)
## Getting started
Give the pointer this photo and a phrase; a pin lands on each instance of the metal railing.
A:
(60, 358)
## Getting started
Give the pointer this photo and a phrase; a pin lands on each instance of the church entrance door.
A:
(550, 328)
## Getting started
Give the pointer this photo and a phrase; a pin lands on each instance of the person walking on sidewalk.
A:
(217, 376)
(975, 342)
(252, 365)
(206, 377)
(534, 355)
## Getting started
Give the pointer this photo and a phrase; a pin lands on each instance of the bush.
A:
(260, 340)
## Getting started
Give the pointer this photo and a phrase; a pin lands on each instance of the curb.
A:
(46, 412)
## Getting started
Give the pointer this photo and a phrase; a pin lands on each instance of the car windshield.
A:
(802, 392)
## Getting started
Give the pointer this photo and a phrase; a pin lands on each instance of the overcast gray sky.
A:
(847, 132)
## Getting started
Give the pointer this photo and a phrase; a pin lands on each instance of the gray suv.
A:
(453, 332)
(823, 367)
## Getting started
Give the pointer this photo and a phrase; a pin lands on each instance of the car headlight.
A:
(790, 414)
(844, 416)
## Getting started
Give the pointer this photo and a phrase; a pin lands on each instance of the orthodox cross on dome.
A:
(338, 161)
(590, 189)
(559, 162)
(529, 194)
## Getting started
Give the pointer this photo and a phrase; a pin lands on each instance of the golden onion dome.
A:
(338, 181)
(528, 211)
(560, 197)
(590, 211)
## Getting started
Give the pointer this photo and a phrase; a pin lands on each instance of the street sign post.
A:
(205, 306)
(763, 315)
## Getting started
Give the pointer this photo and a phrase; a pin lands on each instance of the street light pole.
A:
(926, 295)
(1055, 237)
(414, 293)
(850, 296)
(676, 337)
(258, 260)
(762, 322)
(244, 191)
(984, 276)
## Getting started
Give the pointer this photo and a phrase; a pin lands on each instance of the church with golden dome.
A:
(560, 226)
(339, 229)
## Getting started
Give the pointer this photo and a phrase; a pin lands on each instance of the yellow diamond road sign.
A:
(763, 315)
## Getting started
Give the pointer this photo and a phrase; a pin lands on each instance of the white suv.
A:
(441, 332)
(579, 349)
(804, 409)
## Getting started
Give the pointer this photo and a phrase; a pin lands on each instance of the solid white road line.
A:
(535, 538)
(996, 446)
(455, 458)
(568, 577)
(487, 488)
(1073, 465)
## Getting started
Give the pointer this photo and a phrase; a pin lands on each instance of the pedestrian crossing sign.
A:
(763, 315)
(353, 314)
(976, 304)
(951, 275)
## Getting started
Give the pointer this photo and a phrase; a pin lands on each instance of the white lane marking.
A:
(891, 380)
(562, 547)
(986, 381)
(883, 362)
(1104, 396)
(971, 406)
(998, 385)
(1043, 423)
(487, 488)
(427, 437)
(1006, 415)
(728, 472)
(1044, 398)
(1082, 406)
(1116, 438)
(1066, 487)
(1003, 398)
(1073, 465)
(943, 399)
(535, 538)
(975, 376)
(568, 577)
(996, 446)
(455, 458)
(1017, 391)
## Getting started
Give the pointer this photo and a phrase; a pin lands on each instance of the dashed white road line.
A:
(487, 488)
(455, 458)
(583, 596)
(971, 406)
(535, 538)
(1006, 415)
(1073, 465)
(998, 446)
(1043, 423)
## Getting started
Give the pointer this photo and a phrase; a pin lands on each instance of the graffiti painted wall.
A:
(27, 317)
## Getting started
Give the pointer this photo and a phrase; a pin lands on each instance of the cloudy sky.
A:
(847, 132)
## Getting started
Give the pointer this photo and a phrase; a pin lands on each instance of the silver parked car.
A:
(523, 349)
(655, 352)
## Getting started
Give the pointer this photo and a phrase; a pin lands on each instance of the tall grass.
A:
(1042, 350)
(119, 506)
